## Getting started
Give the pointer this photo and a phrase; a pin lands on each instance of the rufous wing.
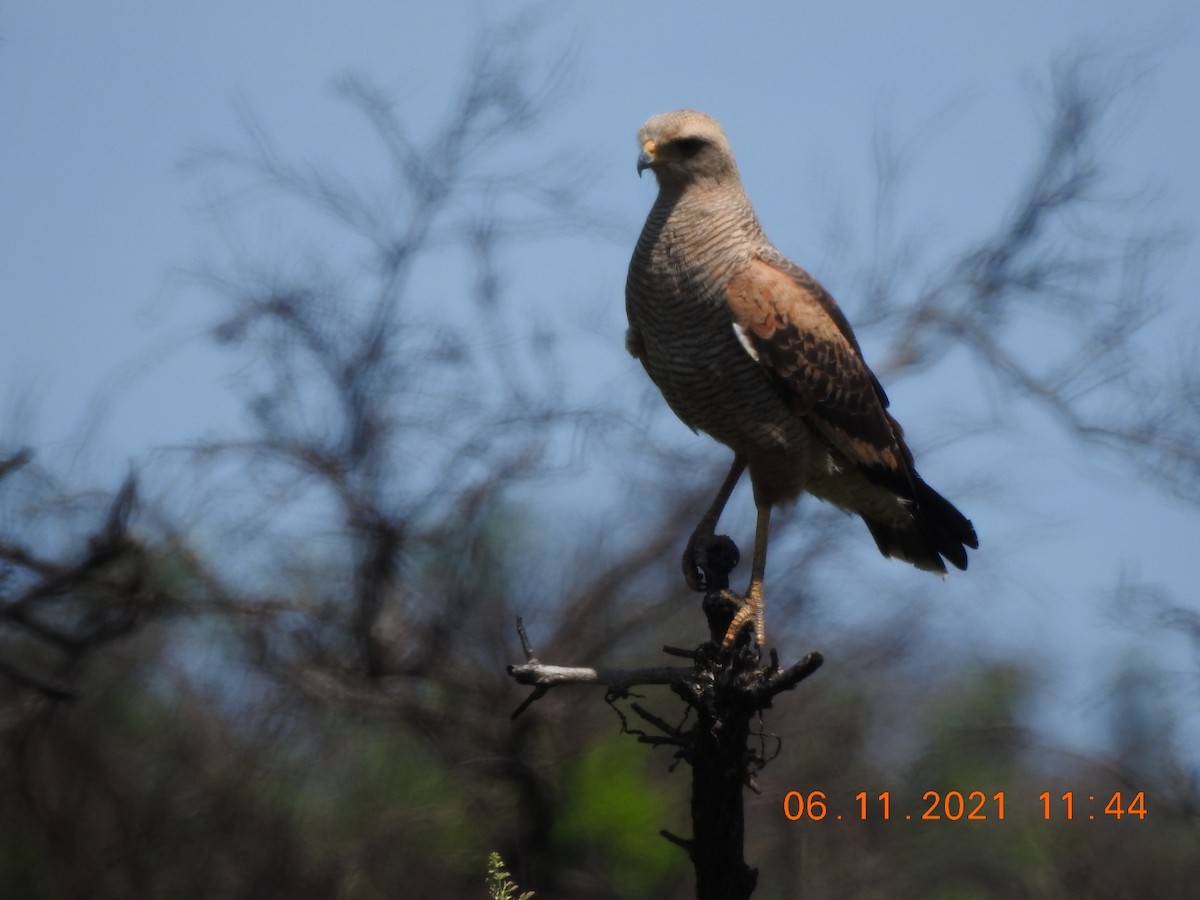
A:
(791, 325)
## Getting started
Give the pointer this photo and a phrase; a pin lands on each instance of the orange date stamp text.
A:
(964, 806)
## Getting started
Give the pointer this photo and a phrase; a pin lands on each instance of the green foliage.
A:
(499, 882)
(617, 799)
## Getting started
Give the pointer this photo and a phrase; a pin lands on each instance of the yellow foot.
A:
(751, 611)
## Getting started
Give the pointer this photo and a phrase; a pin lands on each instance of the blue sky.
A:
(101, 104)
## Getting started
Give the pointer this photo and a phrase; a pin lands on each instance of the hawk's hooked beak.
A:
(646, 157)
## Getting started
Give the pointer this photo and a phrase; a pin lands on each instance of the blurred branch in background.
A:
(1050, 264)
(403, 422)
(57, 610)
(410, 417)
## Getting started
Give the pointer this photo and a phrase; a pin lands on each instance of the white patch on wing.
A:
(743, 337)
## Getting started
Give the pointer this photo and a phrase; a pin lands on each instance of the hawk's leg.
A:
(752, 609)
(704, 540)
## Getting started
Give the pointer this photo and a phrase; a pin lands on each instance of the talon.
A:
(693, 562)
(707, 561)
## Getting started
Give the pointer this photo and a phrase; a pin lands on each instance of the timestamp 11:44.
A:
(1063, 807)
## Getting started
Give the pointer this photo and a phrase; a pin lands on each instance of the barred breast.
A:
(688, 251)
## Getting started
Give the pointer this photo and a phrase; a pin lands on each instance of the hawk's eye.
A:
(689, 147)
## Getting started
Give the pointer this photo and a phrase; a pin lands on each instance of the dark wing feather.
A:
(791, 325)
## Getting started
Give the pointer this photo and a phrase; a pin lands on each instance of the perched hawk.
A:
(747, 347)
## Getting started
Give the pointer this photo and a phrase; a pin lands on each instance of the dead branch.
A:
(726, 688)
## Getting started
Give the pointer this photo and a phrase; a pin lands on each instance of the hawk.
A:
(746, 346)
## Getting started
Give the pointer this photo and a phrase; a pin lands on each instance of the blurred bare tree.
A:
(409, 421)
(1050, 261)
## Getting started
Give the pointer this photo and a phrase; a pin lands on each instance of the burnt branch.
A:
(724, 690)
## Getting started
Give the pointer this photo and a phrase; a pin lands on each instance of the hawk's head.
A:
(683, 147)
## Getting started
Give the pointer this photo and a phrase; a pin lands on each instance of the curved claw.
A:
(693, 573)
(707, 561)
